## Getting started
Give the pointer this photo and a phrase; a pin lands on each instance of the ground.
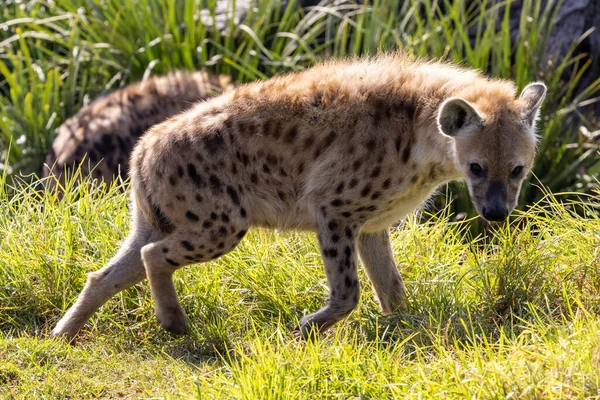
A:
(511, 317)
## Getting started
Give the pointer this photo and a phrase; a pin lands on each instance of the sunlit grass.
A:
(515, 315)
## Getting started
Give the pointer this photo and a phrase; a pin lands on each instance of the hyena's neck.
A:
(435, 151)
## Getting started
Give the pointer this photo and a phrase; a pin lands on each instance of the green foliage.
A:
(56, 56)
(517, 314)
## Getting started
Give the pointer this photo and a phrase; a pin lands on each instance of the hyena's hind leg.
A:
(213, 237)
(124, 270)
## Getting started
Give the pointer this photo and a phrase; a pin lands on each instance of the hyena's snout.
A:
(495, 206)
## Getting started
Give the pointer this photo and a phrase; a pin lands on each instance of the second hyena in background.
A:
(101, 136)
(345, 149)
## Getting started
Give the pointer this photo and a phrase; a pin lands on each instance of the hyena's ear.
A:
(532, 97)
(458, 117)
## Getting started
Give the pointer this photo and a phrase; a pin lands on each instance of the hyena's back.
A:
(104, 132)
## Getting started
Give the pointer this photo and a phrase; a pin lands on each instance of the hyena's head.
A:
(493, 150)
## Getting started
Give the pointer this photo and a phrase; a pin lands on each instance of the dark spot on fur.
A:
(233, 195)
(253, 178)
(180, 197)
(406, 154)
(165, 250)
(376, 195)
(340, 188)
(398, 143)
(336, 203)
(266, 169)
(221, 245)
(173, 180)
(173, 263)
(225, 218)
(317, 153)
(301, 168)
(164, 224)
(187, 245)
(348, 282)
(193, 174)
(214, 143)
(215, 182)
(371, 144)
(375, 173)
(308, 142)
(243, 212)
(213, 216)
(366, 190)
(291, 135)
(356, 165)
(335, 238)
(348, 251)
(353, 183)
(348, 233)
(333, 225)
(371, 208)
(329, 139)
(386, 183)
(330, 252)
(199, 198)
(271, 159)
(241, 234)
(281, 195)
(180, 171)
(207, 224)
(346, 214)
(192, 217)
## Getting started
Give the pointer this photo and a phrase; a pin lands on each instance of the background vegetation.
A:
(512, 317)
(57, 55)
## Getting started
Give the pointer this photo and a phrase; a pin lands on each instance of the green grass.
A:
(511, 317)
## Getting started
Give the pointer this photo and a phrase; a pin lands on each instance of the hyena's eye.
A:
(476, 169)
(516, 172)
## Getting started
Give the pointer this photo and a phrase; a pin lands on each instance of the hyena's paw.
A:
(396, 303)
(311, 326)
(63, 330)
(174, 320)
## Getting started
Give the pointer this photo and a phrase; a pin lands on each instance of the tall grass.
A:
(514, 317)
(57, 56)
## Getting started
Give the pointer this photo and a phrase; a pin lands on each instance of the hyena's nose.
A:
(495, 213)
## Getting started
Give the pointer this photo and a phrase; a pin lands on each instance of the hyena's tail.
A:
(141, 196)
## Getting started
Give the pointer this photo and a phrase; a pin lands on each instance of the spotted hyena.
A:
(345, 149)
(101, 136)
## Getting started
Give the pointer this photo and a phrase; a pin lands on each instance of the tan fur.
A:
(345, 148)
(104, 132)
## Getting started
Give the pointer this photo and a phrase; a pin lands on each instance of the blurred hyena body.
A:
(101, 136)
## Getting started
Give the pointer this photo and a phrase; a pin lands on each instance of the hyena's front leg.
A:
(375, 251)
(336, 240)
